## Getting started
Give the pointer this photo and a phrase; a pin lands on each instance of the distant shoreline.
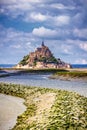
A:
(73, 66)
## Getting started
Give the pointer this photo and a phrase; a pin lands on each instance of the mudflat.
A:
(10, 108)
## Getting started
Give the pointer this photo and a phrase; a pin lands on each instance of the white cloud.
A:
(61, 20)
(34, 11)
(57, 33)
(16, 39)
(38, 17)
(80, 32)
(8, 1)
(81, 61)
(83, 46)
(44, 32)
(28, 43)
(15, 8)
(56, 20)
(22, 6)
(84, 61)
(1, 11)
(61, 6)
(15, 44)
(77, 17)
(29, 46)
(18, 46)
(79, 43)
(19, 1)
(67, 48)
(30, 1)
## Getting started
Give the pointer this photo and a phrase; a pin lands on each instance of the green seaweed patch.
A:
(69, 112)
(43, 70)
(72, 74)
(22, 119)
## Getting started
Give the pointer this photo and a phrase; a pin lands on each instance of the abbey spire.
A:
(43, 43)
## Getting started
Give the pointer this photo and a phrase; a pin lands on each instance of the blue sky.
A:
(61, 23)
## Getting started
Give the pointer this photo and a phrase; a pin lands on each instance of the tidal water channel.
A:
(43, 80)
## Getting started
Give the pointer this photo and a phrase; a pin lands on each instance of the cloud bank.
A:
(25, 23)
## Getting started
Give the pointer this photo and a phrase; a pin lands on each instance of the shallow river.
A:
(42, 80)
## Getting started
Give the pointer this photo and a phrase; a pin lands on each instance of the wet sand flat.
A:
(10, 108)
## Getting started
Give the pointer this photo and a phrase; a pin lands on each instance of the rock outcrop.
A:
(42, 58)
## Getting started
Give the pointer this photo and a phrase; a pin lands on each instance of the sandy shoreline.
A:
(10, 108)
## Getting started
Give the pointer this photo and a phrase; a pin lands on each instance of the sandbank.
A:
(10, 108)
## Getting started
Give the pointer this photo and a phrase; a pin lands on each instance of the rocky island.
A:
(41, 58)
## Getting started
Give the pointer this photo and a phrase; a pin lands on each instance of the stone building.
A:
(42, 58)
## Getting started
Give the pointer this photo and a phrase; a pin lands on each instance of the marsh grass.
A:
(68, 112)
(72, 74)
(34, 70)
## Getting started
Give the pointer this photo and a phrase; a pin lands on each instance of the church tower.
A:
(43, 44)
